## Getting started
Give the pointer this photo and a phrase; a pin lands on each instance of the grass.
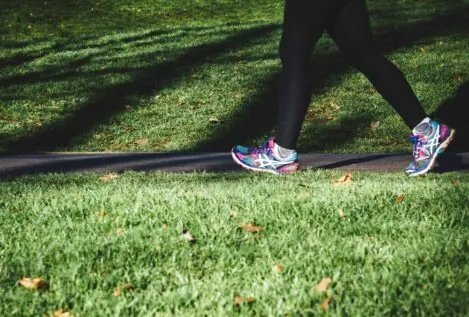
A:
(201, 76)
(384, 257)
(101, 76)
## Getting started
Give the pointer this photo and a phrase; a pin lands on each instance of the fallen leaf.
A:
(374, 125)
(423, 49)
(341, 214)
(101, 214)
(457, 183)
(109, 177)
(33, 283)
(187, 236)
(323, 285)
(251, 228)
(141, 141)
(61, 313)
(345, 179)
(334, 106)
(164, 226)
(121, 289)
(238, 300)
(213, 120)
(325, 303)
(120, 231)
(400, 198)
(278, 268)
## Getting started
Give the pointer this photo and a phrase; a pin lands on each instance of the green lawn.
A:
(100, 76)
(153, 75)
(86, 238)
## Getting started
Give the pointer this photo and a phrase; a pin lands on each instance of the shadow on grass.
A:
(60, 72)
(254, 119)
(258, 117)
(455, 113)
(113, 100)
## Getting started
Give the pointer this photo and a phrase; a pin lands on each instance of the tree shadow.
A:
(113, 100)
(254, 118)
(455, 112)
(258, 116)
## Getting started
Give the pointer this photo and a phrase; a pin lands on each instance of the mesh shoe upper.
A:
(426, 147)
(262, 158)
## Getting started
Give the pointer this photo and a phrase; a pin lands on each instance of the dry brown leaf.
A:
(325, 303)
(400, 198)
(188, 236)
(109, 177)
(341, 214)
(141, 141)
(278, 268)
(457, 183)
(374, 125)
(238, 300)
(423, 49)
(334, 106)
(101, 214)
(120, 231)
(251, 228)
(36, 283)
(61, 313)
(164, 226)
(121, 289)
(344, 180)
(323, 285)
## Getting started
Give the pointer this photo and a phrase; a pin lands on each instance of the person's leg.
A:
(352, 33)
(304, 23)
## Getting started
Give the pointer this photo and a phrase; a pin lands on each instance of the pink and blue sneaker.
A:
(264, 159)
(429, 139)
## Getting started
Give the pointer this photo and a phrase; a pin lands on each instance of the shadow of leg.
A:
(455, 113)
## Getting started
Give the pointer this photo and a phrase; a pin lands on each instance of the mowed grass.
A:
(385, 255)
(201, 76)
(197, 76)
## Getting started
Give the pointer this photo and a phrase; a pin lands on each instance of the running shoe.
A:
(429, 139)
(263, 159)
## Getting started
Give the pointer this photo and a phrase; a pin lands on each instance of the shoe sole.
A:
(254, 169)
(439, 151)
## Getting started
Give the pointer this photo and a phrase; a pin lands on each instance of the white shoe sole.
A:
(254, 169)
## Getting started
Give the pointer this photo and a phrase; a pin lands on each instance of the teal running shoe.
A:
(263, 159)
(429, 139)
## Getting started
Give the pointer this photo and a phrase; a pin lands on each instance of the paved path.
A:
(20, 164)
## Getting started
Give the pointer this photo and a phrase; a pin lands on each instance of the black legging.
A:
(347, 22)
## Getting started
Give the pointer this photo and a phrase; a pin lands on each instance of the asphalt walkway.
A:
(21, 164)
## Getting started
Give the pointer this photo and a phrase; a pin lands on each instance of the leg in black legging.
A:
(351, 31)
(304, 23)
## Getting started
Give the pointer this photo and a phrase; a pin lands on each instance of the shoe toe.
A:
(239, 149)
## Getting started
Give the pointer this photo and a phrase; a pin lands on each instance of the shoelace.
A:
(263, 148)
(418, 144)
